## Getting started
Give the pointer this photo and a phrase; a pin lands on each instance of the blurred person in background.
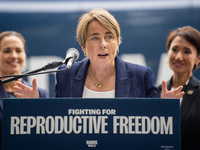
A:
(183, 47)
(12, 60)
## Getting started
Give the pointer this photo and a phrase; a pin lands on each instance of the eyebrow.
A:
(108, 32)
(98, 33)
(94, 34)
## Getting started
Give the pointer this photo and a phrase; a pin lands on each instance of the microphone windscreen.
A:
(73, 51)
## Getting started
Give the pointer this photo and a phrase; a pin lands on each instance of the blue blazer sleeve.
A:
(43, 93)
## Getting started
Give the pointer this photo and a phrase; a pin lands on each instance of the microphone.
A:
(72, 55)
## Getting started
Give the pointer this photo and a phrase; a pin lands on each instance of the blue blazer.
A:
(43, 94)
(131, 80)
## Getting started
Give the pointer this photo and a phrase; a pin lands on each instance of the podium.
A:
(96, 124)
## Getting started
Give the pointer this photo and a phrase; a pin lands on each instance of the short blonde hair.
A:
(103, 17)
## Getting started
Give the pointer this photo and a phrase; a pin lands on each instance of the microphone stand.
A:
(35, 72)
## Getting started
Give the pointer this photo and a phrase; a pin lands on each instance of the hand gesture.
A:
(176, 93)
(23, 91)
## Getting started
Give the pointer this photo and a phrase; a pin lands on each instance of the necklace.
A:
(99, 84)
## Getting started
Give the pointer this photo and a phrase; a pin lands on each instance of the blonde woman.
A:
(103, 74)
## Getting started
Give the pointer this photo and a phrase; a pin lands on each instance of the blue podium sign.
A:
(98, 124)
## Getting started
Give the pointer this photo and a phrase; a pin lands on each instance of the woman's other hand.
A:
(23, 91)
(176, 93)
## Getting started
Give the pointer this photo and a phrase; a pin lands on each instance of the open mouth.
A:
(178, 64)
(102, 55)
(13, 63)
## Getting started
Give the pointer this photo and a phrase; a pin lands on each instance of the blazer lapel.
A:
(122, 83)
(77, 83)
(188, 98)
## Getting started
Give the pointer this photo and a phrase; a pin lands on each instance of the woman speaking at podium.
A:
(103, 74)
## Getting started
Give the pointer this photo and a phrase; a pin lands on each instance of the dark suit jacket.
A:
(131, 80)
(190, 114)
(43, 94)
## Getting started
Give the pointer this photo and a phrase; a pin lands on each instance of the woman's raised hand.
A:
(176, 93)
(23, 91)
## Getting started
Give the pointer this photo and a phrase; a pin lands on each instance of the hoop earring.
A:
(85, 54)
(117, 51)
